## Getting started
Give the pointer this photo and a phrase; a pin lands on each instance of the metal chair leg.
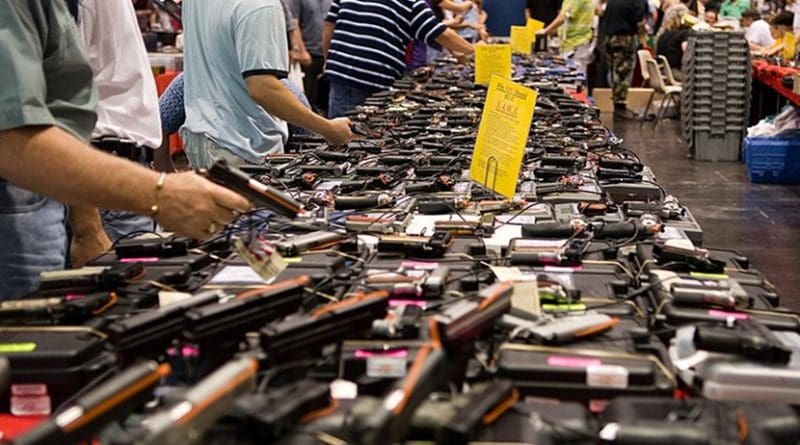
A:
(660, 114)
(647, 108)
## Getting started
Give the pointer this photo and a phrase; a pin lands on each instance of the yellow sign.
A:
(502, 136)
(789, 43)
(522, 38)
(535, 25)
(492, 60)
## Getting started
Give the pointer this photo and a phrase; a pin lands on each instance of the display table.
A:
(772, 76)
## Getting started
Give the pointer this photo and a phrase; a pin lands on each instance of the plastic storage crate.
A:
(774, 160)
(724, 146)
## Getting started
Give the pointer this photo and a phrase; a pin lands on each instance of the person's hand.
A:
(87, 245)
(304, 58)
(338, 131)
(466, 6)
(191, 205)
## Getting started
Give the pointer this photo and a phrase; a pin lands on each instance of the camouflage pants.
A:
(620, 52)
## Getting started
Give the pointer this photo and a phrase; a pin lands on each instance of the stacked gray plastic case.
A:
(715, 101)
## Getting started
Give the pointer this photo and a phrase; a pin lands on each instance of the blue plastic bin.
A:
(773, 160)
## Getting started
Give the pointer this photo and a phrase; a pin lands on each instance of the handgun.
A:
(269, 415)
(374, 422)
(401, 322)
(699, 293)
(484, 227)
(747, 338)
(201, 406)
(362, 202)
(699, 259)
(329, 324)
(620, 164)
(261, 195)
(152, 247)
(230, 321)
(647, 226)
(434, 246)
(321, 239)
(70, 310)
(149, 333)
(467, 319)
(522, 252)
(429, 286)
(461, 418)
(89, 279)
(111, 400)
(559, 330)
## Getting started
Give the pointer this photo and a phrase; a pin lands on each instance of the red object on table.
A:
(772, 76)
(14, 426)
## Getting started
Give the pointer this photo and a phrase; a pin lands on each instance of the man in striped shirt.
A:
(365, 43)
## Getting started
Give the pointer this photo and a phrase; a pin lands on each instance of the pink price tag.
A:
(140, 260)
(572, 362)
(421, 303)
(419, 265)
(391, 353)
(723, 314)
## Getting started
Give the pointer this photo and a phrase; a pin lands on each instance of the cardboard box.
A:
(637, 98)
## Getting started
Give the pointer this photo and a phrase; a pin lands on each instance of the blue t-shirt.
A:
(225, 42)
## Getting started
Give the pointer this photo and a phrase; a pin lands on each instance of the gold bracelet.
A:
(162, 178)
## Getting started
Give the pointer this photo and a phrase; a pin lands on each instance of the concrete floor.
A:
(762, 221)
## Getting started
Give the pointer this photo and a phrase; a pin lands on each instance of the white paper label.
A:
(30, 400)
(383, 366)
(607, 376)
(343, 390)
(237, 275)
(166, 298)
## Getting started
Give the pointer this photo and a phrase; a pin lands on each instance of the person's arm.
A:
(552, 28)
(327, 36)
(268, 91)
(299, 52)
(50, 161)
(458, 8)
(455, 43)
(328, 27)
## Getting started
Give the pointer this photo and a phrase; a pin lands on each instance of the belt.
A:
(126, 150)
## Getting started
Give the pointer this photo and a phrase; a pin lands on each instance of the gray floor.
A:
(762, 221)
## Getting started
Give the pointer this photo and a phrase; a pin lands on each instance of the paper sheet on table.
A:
(237, 275)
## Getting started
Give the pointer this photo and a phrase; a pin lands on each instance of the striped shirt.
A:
(368, 48)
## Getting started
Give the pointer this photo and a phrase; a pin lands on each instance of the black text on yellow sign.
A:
(502, 136)
(492, 60)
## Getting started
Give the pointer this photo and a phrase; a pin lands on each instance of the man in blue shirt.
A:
(46, 116)
(365, 45)
(236, 52)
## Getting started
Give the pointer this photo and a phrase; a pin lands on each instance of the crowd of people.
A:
(81, 132)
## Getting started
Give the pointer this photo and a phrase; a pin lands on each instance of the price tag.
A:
(385, 366)
(522, 38)
(502, 136)
(262, 257)
(492, 60)
(607, 376)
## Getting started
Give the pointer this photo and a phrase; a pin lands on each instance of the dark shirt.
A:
(622, 17)
(669, 46)
(544, 10)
